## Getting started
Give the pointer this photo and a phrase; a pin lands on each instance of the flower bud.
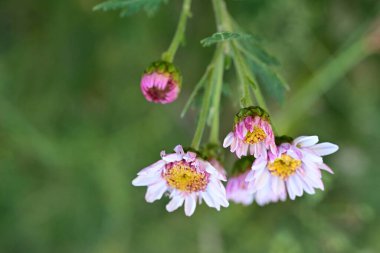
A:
(161, 82)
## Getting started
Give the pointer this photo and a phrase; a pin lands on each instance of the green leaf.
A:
(272, 82)
(254, 51)
(223, 36)
(129, 7)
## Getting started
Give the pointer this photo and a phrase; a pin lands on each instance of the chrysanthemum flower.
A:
(237, 187)
(186, 177)
(294, 168)
(252, 133)
(161, 82)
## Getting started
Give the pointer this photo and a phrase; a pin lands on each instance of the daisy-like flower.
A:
(295, 168)
(186, 177)
(161, 82)
(252, 133)
(237, 187)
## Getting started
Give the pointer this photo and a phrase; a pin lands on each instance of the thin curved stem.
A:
(215, 109)
(205, 108)
(180, 32)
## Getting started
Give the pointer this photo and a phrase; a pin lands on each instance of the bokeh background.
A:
(74, 130)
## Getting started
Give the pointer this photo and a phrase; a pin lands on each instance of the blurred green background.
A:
(74, 130)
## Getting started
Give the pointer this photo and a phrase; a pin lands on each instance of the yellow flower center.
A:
(256, 136)
(284, 166)
(181, 176)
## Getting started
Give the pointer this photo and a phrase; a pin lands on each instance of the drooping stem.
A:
(239, 66)
(215, 109)
(180, 32)
(203, 114)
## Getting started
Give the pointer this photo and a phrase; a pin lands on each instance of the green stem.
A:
(239, 67)
(198, 86)
(218, 80)
(205, 108)
(328, 75)
(180, 32)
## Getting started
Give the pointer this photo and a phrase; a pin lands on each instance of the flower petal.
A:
(145, 180)
(155, 191)
(176, 202)
(155, 167)
(228, 140)
(306, 141)
(325, 148)
(172, 158)
(190, 204)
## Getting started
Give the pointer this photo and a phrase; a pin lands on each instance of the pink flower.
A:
(186, 178)
(295, 168)
(252, 133)
(161, 83)
(237, 189)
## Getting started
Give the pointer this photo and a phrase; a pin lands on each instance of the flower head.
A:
(186, 177)
(161, 82)
(294, 168)
(237, 188)
(252, 133)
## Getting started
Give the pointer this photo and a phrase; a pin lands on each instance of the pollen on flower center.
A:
(256, 136)
(284, 166)
(182, 176)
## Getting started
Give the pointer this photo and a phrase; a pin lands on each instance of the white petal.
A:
(190, 204)
(228, 140)
(145, 180)
(172, 158)
(309, 157)
(259, 164)
(250, 176)
(155, 167)
(179, 150)
(155, 192)
(176, 202)
(209, 200)
(325, 148)
(324, 166)
(291, 192)
(306, 141)
(278, 185)
(263, 180)
(298, 183)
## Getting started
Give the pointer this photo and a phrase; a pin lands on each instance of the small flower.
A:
(252, 132)
(186, 177)
(161, 82)
(237, 188)
(295, 168)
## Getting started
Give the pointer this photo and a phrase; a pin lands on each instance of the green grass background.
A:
(74, 130)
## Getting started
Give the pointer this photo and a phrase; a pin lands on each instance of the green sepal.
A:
(166, 68)
(208, 152)
(251, 111)
(283, 139)
(242, 165)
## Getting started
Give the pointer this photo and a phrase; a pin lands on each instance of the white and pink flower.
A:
(237, 189)
(161, 83)
(252, 133)
(294, 169)
(187, 178)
